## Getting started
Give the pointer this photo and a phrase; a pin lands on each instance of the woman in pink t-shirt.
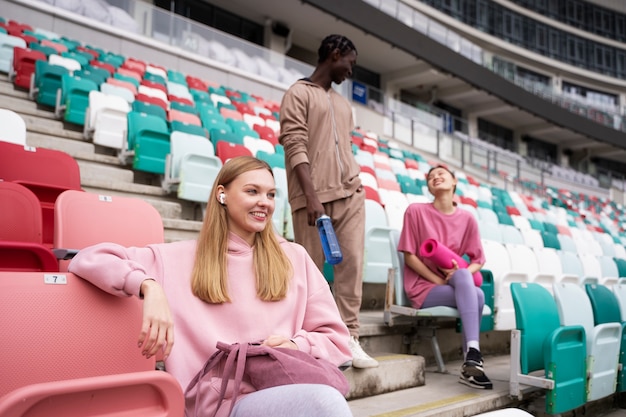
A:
(427, 285)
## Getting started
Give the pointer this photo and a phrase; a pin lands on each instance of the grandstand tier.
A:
(160, 156)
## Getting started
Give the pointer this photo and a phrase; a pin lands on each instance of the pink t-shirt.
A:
(458, 231)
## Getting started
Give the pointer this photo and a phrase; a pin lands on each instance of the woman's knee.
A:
(462, 277)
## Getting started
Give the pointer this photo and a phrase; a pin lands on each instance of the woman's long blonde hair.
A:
(209, 280)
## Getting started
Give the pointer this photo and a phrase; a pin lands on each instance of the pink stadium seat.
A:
(21, 247)
(129, 72)
(181, 116)
(121, 83)
(83, 219)
(60, 48)
(227, 150)
(73, 351)
(135, 65)
(411, 163)
(231, 114)
(46, 172)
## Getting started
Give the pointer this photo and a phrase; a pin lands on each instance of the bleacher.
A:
(92, 136)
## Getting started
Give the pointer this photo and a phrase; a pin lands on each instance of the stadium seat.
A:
(191, 167)
(148, 141)
(123, 81)
(241, 128)
(539, 342)
(603, 340)
(72, 344)
(149, 108)
(23, 66)
(275, 160)
(591, 267)
(610, 272)
(73, 98)
(499, 265)
(258, 145)
(395, 203)
(566, 243)
(511, 234)
(106, 120)
(46, 172)
(45, 83)
(397, 303)
(21, 245)
(606, 309)
(7, 45)
(83, 219)
(68, 63)
(13, 127)
(266, 133)
(227, 150)
(54, 44)
(379, 248)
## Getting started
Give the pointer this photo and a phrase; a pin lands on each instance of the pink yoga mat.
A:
(442, 256)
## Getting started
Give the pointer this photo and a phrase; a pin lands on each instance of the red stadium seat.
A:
(24, 65)
(46, 172)
(266, 133)
(21, 247)
(73, 351)
(227, 150)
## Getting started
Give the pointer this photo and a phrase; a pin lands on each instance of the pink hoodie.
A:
(308, 314)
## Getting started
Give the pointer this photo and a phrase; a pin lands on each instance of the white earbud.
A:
(222, 198)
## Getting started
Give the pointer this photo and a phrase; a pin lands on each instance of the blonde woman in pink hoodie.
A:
(238, 282)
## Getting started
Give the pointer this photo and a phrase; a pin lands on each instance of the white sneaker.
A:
(360, 359)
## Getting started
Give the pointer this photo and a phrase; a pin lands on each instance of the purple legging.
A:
(468, 299)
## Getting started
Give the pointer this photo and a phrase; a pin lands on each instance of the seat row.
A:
(568, 341)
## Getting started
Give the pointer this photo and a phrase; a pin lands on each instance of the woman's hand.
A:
(448, 272)
(279, 341)
(157, 328)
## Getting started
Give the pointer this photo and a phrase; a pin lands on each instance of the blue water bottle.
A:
(330, 245)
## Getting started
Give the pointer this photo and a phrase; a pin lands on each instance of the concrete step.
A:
(395, 372)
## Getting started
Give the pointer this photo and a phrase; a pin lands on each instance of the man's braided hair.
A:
(332, 42)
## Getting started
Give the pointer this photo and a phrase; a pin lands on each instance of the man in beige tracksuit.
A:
(323, 176)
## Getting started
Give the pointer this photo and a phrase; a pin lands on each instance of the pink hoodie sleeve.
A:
(323, 333)
(116, 269)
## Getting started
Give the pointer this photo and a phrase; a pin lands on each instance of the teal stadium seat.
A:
(275, 160)
(226, 135)
(46, 82)
(149, 108)
(73, 98)
(538, 343)
(149, 142)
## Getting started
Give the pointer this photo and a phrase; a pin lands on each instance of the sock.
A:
(473, 344)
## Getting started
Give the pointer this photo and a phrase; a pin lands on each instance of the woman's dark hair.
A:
(332, 42)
